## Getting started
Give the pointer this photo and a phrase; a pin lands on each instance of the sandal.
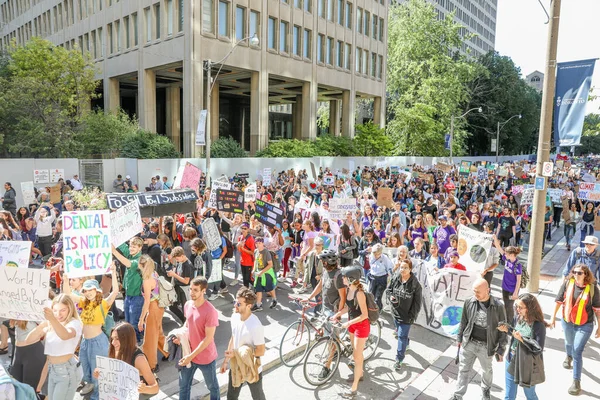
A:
(4, 350)
(349, 394)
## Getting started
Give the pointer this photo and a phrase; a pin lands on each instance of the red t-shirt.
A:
(198, 319)
(247, 260)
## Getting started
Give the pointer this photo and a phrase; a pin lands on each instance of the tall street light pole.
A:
(479, 109)
(534, 256)
(253, 40)
(500, 126)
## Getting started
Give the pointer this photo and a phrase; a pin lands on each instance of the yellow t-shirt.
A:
(92, 315)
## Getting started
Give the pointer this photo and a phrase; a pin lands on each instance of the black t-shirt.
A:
(430, 209)
(184, 270)
(155, 254)
(331, 285)
(506, 224)
(480, 325)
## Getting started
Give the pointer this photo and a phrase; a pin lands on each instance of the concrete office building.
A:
(477, 16)
(152, 56)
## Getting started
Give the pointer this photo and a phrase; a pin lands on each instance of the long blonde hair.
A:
(66, 300)
(149, 266)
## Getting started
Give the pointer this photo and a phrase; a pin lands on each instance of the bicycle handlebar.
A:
(304, 303)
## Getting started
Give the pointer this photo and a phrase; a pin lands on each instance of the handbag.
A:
(109, 321)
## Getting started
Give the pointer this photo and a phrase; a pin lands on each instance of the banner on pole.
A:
(24, 293)
(125, 223)
(573, 82)
(86, 243)
(201, 130)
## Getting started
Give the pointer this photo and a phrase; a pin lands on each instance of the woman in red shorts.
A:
(358, 324)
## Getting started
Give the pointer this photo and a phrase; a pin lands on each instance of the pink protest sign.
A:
(189, 177)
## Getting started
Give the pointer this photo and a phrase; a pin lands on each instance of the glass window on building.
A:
(367, 22)
(118, 35)
(272, 32)
(308, 5)
(381, 29)
(380, 67)
(340, 12)
(240, 23)
(347, 55)
(127, 32)
(170, 17)
(134, 18)
(254, 24)
(339, 49)
(306, 42)
(320, 40)
(109, 31)
(101, 42)
(298, 3)
(180, 19)
(321, 8)
(208, 10)
(148, 18)
(283, 37)
(157, 20)
(373, 64)
(223, 18)
(329, 51)
(94, 45)
(357, 61)
(359, 22)
(296, 38)
(349, 15)
(330, 10)
(365, 61)
(375, 31)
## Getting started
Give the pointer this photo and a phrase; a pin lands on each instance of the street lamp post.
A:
(253, 40)
(479, 109)
(499, 127)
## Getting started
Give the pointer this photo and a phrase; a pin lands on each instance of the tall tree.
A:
(501, 93)
(427, 79)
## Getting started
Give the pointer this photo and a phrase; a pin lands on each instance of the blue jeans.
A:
(378, 285)
(133, 311)
(209, 372)
(238, 267)
(576, 336)
(512, 387)
(587, 230)
(403, 339)
(63, 380)
(569, 233)
(89, 349)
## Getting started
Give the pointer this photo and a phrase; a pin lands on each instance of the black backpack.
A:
(276, 261)
(355, 249)
(229, 253)
(371, 306)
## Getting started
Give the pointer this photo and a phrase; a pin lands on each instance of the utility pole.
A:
(534, 256)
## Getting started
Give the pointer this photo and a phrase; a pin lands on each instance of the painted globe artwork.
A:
(451, 319)
(478, 254)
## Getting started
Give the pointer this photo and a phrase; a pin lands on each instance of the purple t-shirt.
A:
(442, 237)
(416, 233)
(511, 270)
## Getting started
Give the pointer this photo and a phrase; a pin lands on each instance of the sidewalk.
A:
(438, 381)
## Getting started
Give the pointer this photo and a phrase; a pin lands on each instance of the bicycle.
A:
(323, 358)
(296, 339)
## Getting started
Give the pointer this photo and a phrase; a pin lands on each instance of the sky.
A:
(522, 35)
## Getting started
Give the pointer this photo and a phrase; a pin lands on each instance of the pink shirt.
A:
(198, 319)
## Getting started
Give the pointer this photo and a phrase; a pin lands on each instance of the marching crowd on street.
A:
(340, 262)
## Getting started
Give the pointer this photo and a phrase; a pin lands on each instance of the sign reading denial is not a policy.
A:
(86, 243)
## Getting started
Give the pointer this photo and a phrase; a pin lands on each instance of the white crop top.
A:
(57, 347)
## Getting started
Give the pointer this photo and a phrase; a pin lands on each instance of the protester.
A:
(588, 254)
(511, 279)
(381, 270)
(9, 200)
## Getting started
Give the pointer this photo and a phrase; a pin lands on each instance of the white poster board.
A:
(527, 197)
(56, 174)
(250, 193)
(86, 243)
(118, 380)
(473, 248)
(15, 253)
(266, 177)
(338, 207)
(216, 273)
(28, 193)
(24, 293)
(211, 235)
(41, 176)
(125, 223)
(212, 200)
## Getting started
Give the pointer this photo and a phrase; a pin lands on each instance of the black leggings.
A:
(45, 244)
(28, 364)
(247, 275)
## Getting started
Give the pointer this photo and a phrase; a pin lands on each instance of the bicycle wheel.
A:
(294, 344)
(373, 340)
(322, 361)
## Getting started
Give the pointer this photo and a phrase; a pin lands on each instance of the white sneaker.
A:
(213, 297)
(300, 290)
(233, 282)
(281, 279)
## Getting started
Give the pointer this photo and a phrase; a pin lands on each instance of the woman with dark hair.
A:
(579, 297)
(529, 323)
(346, 246)
(288, 236)
(316, 220)
(123, 346)
(587, 219)
(22, 215)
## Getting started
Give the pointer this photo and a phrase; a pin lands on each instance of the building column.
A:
(173, 115)
(214, 112)
(112, 96)
(334, 118)
(309, 111)
(348, 113)
(379, 111)
(147, 99)
(295, 126)
(259, 111)
(297, 131)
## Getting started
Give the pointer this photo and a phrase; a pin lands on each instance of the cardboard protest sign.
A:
(445, 168)
(216, 272)
(385, 197)
(212, 200)
(338, 207)
(266, 177)
(125, 223)
(444, 292)
(24, 293)
(230, 201)
(465, 167)
(188, 177)
(269, 214)
(211, 234)
(250, 193)
(118, 380)
(28, 193)
(86, 243)
(473, 248)
(15, 253)
(55, 194)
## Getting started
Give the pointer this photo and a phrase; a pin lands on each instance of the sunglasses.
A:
(237, 304)
(578, 272)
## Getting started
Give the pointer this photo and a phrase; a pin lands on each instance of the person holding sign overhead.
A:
(93, 316)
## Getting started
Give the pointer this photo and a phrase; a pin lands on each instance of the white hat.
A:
(591, 240)
(127, 177)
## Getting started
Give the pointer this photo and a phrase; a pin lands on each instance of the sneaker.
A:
(213, 297)
(398, 365)
(81, 385)
(301, 290)
(567, 364)
(281, 279)
(324, 373)
(256, 307)
(485, 394)
(87, 389)
(223, 291)
(233, 282)
(396, 335)
(273, 304)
